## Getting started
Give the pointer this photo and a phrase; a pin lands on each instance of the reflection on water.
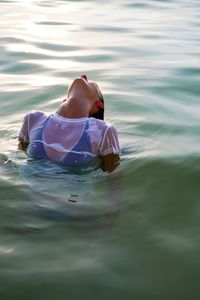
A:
(132, 234)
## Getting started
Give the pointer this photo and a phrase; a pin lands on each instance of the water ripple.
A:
(56, 47)
(53, 23)
(102, 28)
(145, 57)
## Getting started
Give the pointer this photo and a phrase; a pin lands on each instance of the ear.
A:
(99, 104)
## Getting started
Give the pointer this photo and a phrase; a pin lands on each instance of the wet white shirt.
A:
(58, 136)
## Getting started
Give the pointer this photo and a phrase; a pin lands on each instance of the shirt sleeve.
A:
(29, 122)
(110, 142)
(24, 131)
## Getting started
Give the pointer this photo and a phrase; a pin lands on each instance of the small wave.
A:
(107, 28)
(56, 46)
(149, 4)
(53, 23)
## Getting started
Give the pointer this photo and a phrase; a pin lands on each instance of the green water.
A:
(133, 234)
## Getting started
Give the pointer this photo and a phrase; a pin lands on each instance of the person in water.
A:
(76, 135)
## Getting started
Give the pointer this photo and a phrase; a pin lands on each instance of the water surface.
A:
(133, 234)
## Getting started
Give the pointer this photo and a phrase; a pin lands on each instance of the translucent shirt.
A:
(72, 142)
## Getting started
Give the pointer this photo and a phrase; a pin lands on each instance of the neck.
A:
(74, 108)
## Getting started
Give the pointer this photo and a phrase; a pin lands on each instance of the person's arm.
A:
(23, 137)
(110, 150)
(22, 145)
(110, 162)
